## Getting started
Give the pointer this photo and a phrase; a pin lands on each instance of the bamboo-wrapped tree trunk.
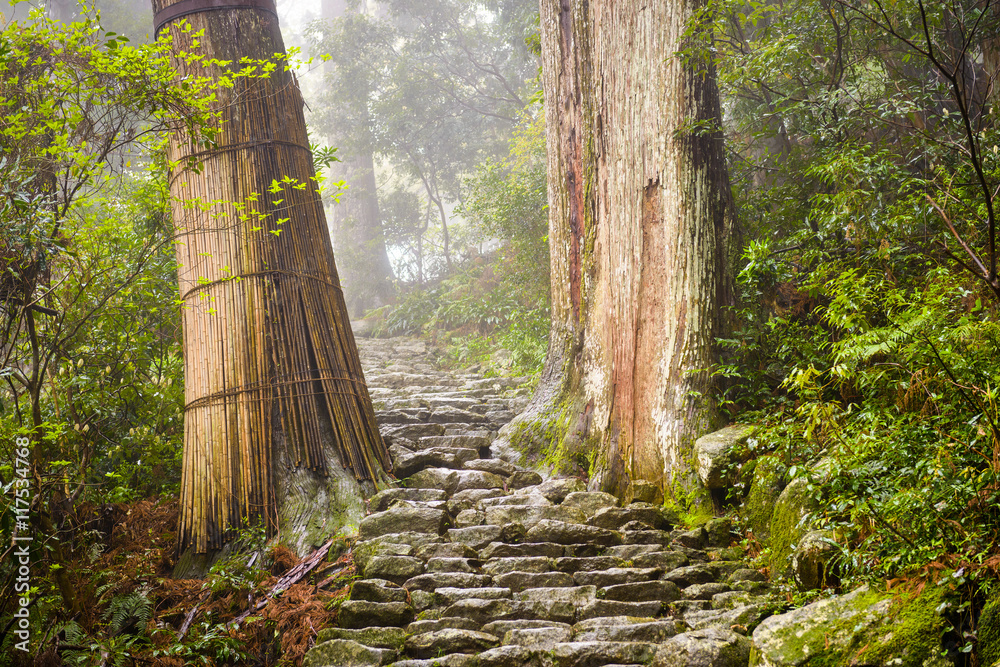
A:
(276, 404)
(640, 222)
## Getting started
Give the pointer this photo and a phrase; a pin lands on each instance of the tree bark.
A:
(640, 221)
(279, 425)
(356, 222)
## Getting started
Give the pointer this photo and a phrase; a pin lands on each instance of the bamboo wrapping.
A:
(266, 329)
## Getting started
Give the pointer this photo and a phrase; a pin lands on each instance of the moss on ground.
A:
(989, 634)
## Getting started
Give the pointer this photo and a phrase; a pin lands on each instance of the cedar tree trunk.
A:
(640, 220)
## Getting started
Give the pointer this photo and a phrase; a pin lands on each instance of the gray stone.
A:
(450, 660)
(690, 575)
(468, 499)
(614, 518)
(435, 478)
(574, 595)
(423, 601)
(413, 431)
(561, 532)
(476, 442)
(529, 515)
(476, 537)
(719, 532)
(495, 466)
(452, 565)
(535, 499)
(526, 550)
(382, 500)
(642, 591)
(589, 501)
(449, 596)
(365, 551)
(400, 519)
(545, 637)
(668, 560)
(557, 489)
(450, 415)
(519, 581)
(631, 551)
(811, 559)
(624, 629)
(746, 574)
(501, 628)
(347, 653)
(515, 656)
(456, 622)
(616, 575)
(692, 539)
(445, 550)
(377, 590)
(618, 608)
(595, 654)
(645, 492)
(535, 564)
(739, 619)
(374, 637)
(449, 640)
(407, 463)
(470, 517)
(521, 479)
(712, 647)
(432, 580)
(704, 591)
(364, 614)
(571, 564)
(477, 479)
(396, 569)
(717, 455)
(658, 538)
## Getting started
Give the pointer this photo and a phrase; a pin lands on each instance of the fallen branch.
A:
(305, 566)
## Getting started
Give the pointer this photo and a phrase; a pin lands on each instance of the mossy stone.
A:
(767, 485)
(989, 633)
(863, 627)
(789, 524)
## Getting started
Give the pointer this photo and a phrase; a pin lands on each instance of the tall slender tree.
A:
(356, 219)
(640, 218)
(276, 404)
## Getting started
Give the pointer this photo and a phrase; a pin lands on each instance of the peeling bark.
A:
(640, 221)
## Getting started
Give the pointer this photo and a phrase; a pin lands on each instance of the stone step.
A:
(476, 562)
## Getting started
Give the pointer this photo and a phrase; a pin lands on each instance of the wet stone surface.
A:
(475, 562)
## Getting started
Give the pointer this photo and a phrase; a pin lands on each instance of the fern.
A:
(128, 611)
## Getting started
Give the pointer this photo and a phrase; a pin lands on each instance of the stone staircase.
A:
(474, 561)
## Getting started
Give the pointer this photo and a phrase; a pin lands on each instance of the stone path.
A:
(473, 561)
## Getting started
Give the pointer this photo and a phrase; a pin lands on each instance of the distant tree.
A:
(640, 226)
(437, 87)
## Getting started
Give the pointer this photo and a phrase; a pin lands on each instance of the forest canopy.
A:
(861, 141)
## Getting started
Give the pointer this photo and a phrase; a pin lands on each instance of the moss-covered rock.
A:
(767, 485)
(863, 628)
(789, 523)
(811, 560)
(989, 633)
(717, 454)
(372, 637)
(346, 653)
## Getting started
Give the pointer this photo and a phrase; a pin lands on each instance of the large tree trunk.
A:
(276, 405)
(640, 221)
(356, 221)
